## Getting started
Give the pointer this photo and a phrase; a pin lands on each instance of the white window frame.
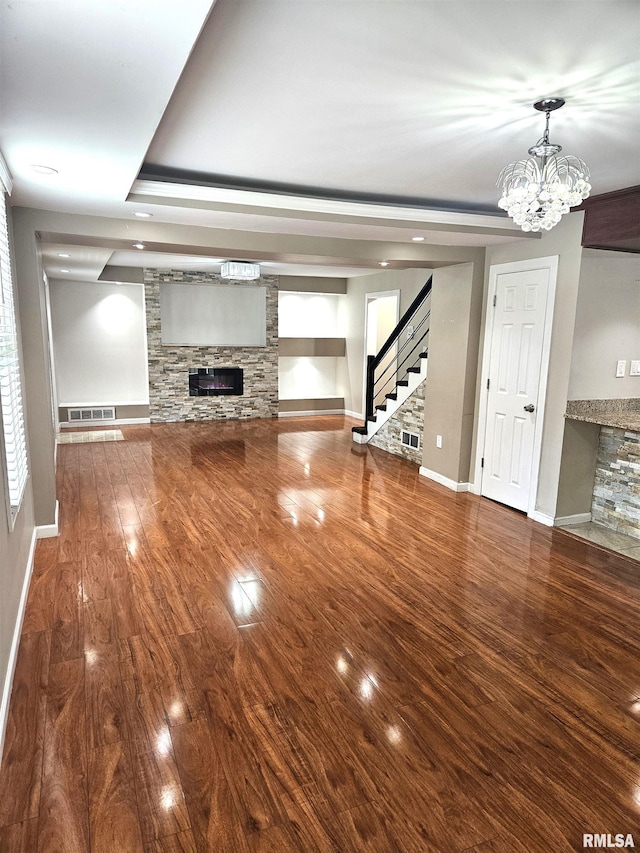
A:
(13, 433)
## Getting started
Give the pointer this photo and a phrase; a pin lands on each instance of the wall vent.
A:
(91, 415)
(410, 439)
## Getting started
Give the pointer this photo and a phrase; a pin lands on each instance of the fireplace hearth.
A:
(215, 381)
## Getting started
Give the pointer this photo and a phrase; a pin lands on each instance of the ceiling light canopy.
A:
(240, 271)
(537, 192)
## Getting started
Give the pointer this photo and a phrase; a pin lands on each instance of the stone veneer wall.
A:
(409, 417)
(616, 491)
(169, 398)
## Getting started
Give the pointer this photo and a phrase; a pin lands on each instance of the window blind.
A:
(15, 445)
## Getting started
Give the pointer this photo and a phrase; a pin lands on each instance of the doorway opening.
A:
(382, 312)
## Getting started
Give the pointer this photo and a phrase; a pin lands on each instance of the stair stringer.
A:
(403, 392)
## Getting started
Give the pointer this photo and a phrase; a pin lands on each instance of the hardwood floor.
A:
(257, 636)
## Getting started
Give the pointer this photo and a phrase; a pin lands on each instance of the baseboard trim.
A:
(48, 531)
(15, 643)
(444, 481)
(104, 424)
(357, 415)
(541, 518)
(578, 518)
(310, 412)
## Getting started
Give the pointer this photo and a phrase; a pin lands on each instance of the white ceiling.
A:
(388, 103)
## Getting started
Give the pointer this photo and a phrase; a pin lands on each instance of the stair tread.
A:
(424, 355)
(403, 382)
(391, 396)
(413, 370)
(382, 408)
(360, 430)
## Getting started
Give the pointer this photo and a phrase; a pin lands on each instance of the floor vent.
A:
(91, 415)
(410, 439)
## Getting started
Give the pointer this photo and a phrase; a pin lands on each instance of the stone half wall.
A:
(409, 417)
(616, 491)
(169, 398)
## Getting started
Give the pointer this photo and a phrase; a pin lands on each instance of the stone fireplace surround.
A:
(169, 398)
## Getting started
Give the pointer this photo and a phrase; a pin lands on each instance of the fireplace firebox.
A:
(213, 381)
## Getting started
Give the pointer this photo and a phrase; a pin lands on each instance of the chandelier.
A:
(240, 271)
(537, 192)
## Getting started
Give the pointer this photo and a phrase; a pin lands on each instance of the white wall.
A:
(308, 315)
(607, 326)
(304, 377)
(382, 318)
(99, 343)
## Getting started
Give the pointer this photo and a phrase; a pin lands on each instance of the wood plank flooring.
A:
(258, 637)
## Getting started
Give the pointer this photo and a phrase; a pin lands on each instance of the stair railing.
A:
(396, 367)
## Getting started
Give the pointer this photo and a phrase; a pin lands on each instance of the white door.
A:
(517, 359)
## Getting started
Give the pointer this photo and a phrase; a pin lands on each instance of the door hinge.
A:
(488, 382)
(495, 299)
(482, 462)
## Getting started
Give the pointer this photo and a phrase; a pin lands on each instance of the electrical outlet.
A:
(635, 368)
(621, 368)
(438, 441)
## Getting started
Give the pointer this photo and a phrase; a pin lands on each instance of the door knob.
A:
(529, 408)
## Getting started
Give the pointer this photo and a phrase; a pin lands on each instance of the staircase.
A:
(393, 377)
(384, 411)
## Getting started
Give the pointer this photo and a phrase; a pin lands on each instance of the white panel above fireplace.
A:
(211, 315)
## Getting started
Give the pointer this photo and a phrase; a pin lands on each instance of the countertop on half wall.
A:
(619, 414)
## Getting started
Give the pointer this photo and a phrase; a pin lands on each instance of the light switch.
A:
(621, 368)
(438, 441)
(635, 368)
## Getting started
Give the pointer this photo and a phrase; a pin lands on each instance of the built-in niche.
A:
(311, 350)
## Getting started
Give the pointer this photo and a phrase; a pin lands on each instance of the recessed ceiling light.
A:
(138, 246)
(63, 255)
(417, 239)
(384, 263)
(44, 170)
(64, 270)
(142, 215)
